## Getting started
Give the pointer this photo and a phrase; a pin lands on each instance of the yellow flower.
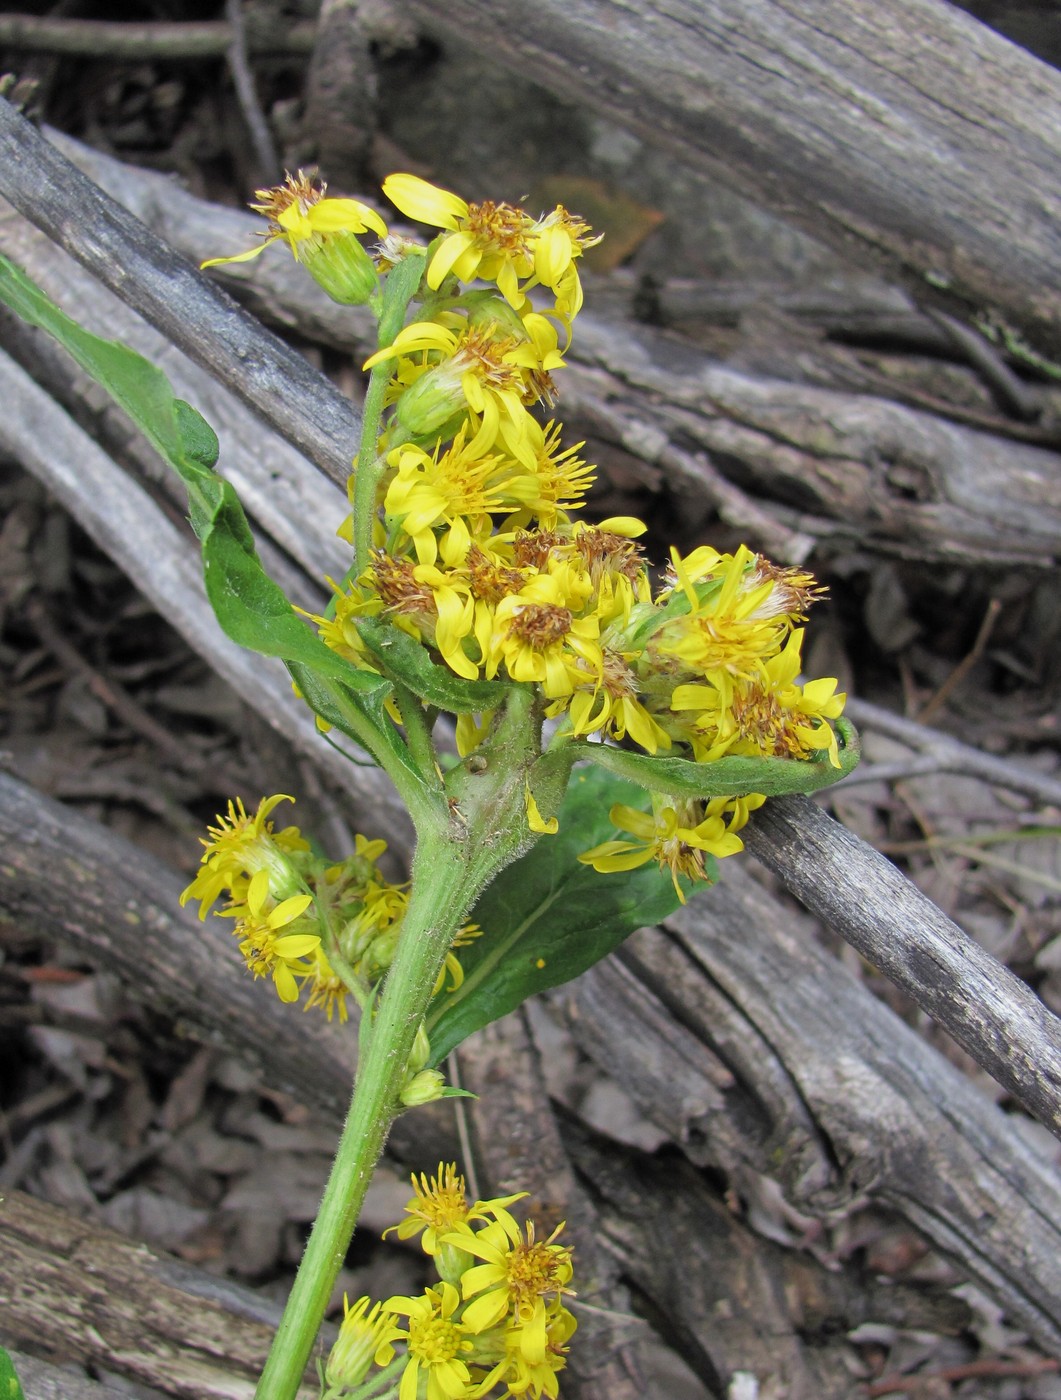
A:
(488, 240)
(239, 846)
(538, 638)
(437, 1345)
(676, 837)
(611, 706)
(440, 1206)
(365, 1333)
(320, 233)
(266, 951)
(767, 714)
(483, 368)
(519, 1274)
(326, 988)
(432, 490)
(535, 1379)
(723, 623)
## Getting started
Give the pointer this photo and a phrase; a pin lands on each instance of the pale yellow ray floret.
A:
(265, 950)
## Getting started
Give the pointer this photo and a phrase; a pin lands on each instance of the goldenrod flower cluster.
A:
(477, 551)
(493, 1325)
(299, 917)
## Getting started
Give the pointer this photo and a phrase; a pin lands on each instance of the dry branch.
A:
(852, 887)
(903, 129)
(754, 1049)
(95, 38)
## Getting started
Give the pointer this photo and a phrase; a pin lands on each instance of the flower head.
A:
(322, 233)
(437, 1343)
(519, 1274)
(676, 834)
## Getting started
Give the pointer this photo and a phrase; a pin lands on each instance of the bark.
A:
(74, 1290)
(886, 917)
(904, 130)
(187, 308)
(756, 1051)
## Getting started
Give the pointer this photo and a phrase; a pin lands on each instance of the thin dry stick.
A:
(110, 39)
(243, 81)
(945, 754)
(860, 894)
(966, 664)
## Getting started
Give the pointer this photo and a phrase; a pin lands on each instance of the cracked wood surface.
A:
(904, 130)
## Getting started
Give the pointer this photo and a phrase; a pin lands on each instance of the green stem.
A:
(458, 853)
(402, 283)
(447, 876)
(417, 730)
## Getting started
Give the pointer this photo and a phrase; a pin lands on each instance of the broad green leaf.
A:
(727, 777)
(547, 917)
(407, 660)
(251, 608)
(9, 1385)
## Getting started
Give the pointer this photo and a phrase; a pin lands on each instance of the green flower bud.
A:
(425, 1087)
(339, 264)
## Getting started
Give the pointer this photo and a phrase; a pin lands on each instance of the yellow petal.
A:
(425, 203)
(535, 820)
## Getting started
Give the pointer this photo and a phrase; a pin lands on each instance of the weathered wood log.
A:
(904, 131)
(737, 1034)
(825, 467)
(44, 1381)
(886, 917)
(753, 1048)
(74, 1290)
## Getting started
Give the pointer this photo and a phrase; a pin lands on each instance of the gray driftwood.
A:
(755, 1050)
(902, 130)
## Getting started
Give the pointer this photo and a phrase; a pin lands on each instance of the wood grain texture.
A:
(901, 129)
(76, 1290)
(860, 893)
(755, 1050)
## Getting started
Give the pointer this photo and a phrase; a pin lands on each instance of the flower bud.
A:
(360, 1336)
(425, 1087)
(339, 263)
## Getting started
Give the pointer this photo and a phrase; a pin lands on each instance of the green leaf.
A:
(9, 1384)
(547, 917)
(407, 661)
(251, 608)
(727, 777)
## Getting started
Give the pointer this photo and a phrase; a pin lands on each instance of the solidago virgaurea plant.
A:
(561, 725)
